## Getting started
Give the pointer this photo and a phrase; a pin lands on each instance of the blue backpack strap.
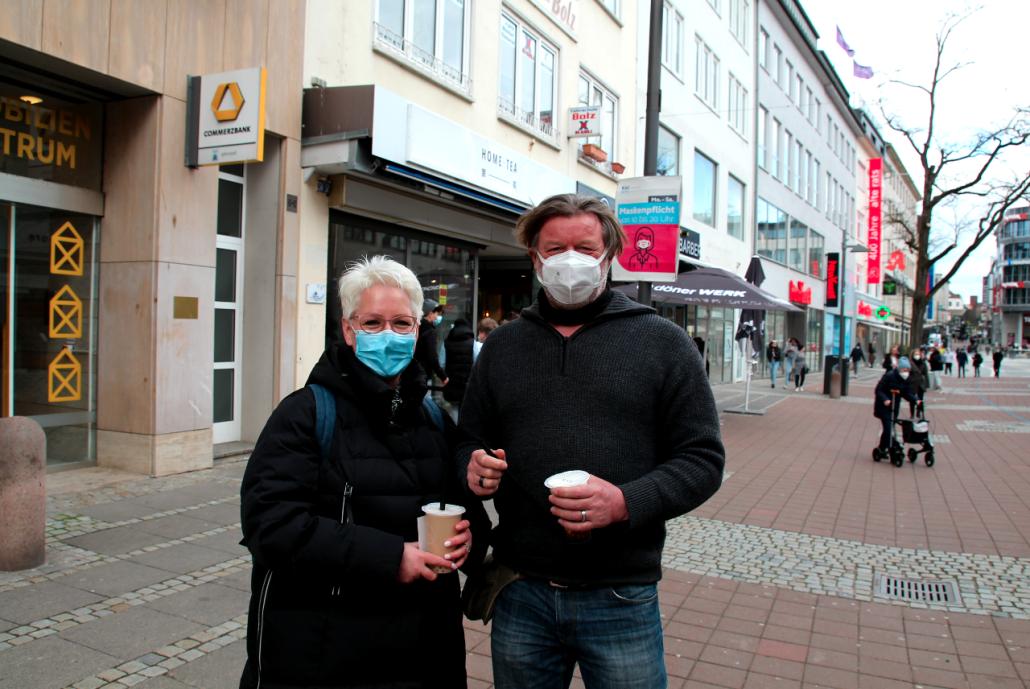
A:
(434, 411)
(325, 417)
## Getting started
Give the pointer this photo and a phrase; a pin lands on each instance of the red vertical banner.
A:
(875, 219)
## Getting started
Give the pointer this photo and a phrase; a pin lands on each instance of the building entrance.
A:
(48, 326)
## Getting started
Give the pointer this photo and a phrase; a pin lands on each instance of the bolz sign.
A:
(875, 219)
(832, 279)
(584, 121)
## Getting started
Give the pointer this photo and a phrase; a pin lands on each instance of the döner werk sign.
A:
(226, 118)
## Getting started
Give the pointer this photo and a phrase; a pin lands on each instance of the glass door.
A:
(228, 321)
(48, 288)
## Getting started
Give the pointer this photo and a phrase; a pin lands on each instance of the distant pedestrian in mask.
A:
(586, 379)
(427, 352)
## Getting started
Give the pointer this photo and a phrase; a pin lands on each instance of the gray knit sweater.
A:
(626, 399)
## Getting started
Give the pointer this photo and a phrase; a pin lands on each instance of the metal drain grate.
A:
(922, 591)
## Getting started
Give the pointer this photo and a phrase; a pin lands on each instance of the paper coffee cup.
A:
(567, 479)
(439, 527)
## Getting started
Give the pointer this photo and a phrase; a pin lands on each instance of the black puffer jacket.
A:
(458, 347)
(326, 609)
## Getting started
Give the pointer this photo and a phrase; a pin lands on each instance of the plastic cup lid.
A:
(567, 479)
(449, 510)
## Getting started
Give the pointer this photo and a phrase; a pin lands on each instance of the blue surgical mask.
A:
(386, 352)
(438, 320)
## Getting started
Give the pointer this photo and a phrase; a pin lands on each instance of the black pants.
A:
(947, 368)
(885, 434)
(799, 379)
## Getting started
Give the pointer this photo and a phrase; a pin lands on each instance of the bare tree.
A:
(952, 172)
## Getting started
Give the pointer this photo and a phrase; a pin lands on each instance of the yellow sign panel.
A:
(66, 314)
(64, 382)
(67, 251)
(227, 114)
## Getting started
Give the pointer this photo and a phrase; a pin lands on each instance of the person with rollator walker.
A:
(893, 384)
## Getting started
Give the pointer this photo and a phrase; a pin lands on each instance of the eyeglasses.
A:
(402, 325)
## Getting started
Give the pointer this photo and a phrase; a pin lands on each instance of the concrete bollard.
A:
(22, 494)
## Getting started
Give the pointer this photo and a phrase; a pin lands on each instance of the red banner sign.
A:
(798, 293)
(832, 278)
(865, 309)
(896, 261)
(875, 218)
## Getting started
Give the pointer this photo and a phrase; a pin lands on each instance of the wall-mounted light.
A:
(31, 100)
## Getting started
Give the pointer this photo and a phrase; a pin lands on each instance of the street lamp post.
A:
(842, 283)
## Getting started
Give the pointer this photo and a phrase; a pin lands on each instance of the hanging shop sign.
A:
(690, 243)
(890, 287)
(875, 219)
(649, 210)
(896, 261)
(883, 313)
(865, 310)
(584, 121)
(832, 279)
(55, 142)
(226, 117)
(798, 293)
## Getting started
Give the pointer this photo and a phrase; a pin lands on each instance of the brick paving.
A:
(770, 584)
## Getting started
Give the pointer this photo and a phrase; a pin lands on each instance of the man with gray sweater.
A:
(587, 379)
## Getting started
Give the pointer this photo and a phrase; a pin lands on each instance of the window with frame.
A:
(611, 5)
(668, 153)
(789, 161)
(813, 183)
(706, 74)
(796, 246)
(705, 171)
(779, 149)
(527, 87)
(788, 86)
(738, 108)
(796, 158)
(818, 121)
(763, 124)
(431, 36)
(740, 11)
(809, 110)
(763, 49)
(592, 92)
(806, 164)
(797, 89)
(770, 231)
(735, 207)
(778, 54)
(815, 253)
(672, 39)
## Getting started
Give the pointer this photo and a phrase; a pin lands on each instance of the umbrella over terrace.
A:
(712, 287)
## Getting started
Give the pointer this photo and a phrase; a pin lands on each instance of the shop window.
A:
(431, 35)
(591, 92)
(771, 232)
(705, 171)
(527, 88)
(668, 153)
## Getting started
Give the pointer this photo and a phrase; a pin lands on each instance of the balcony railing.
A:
(423, 61)
(542, 125)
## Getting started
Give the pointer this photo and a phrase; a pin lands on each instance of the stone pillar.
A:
(22, 494)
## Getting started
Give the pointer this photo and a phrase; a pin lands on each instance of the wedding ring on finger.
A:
(481, 484)
(582, 515)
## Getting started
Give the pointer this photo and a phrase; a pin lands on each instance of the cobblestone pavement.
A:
(773, 583)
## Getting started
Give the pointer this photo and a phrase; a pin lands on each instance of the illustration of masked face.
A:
(644, 239)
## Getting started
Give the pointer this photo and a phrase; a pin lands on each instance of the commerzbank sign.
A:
(226, 118)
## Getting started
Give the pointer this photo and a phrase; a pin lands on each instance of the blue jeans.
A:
(774, 367)
(540, 632)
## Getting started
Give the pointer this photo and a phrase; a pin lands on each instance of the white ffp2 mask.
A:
(571, 278)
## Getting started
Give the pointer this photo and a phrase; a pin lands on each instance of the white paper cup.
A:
(439, 527)
(567, 479)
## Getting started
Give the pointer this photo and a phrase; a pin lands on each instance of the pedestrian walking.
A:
(856, 356)
(426, 348)
(894, 385)
(774, 355)
(998, 355)
(977, 363)
(565, 387)
(936, 363)
(920, 380)
(458, 348)
(871, 361)
(949, 361)
(702, 348)
(798, 368)
(486, 326)
(341, 593)
(890, 360)
(960, 362)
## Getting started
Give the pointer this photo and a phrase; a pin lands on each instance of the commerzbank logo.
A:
(227, 91)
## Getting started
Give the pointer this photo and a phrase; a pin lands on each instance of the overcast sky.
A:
(897, 39)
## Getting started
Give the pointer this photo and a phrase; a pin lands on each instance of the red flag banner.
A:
(875, 219)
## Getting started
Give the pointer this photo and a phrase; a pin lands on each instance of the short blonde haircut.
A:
(377, 270)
